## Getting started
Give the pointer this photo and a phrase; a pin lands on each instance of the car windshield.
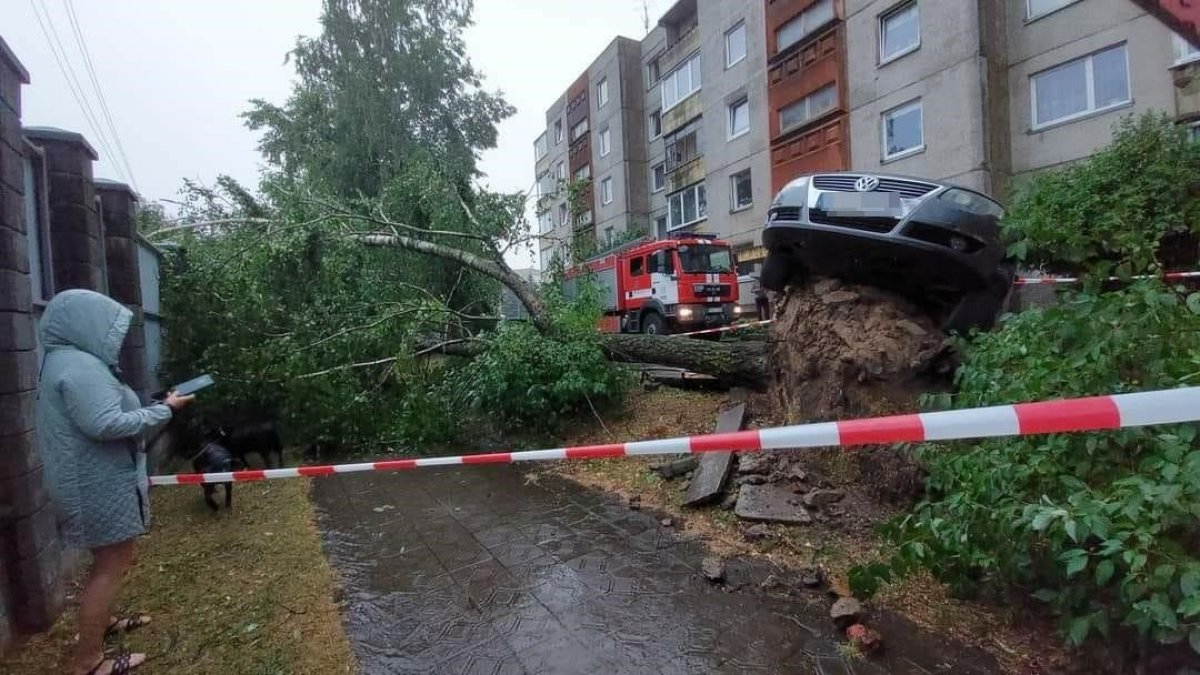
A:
(705, 259)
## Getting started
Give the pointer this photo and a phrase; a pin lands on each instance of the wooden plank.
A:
(710, 479)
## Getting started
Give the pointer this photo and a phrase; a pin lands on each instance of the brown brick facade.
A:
(118, 212)
(75, 228)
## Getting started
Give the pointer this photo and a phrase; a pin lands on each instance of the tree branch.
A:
(208, 223)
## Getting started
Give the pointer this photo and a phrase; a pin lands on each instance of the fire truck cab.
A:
(663, 286)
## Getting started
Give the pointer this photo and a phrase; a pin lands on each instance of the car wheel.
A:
(776, 273)
(974, 310)
(654, 324)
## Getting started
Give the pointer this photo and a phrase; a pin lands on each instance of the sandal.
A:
(126, 625)
(122, 664)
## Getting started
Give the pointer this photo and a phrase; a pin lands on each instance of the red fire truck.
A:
(663, 286)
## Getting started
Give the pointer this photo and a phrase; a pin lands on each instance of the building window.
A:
(584, 218)
(688, 206)
(652, 72)
(655, 124)
(37, 225)
(545, 222)
(903, 132)
(1185, 52)
(605, 143)
(739, 118)
(602, 93)
(804, 24)
(807, 109)
(558, 132)
(681, 82)
(608, 237)
(683, 146)
(606, 191)
(583, 173)
(560, 171)
(1035, 9)
(1087, 85)
(735, 45)
(539, 148)
(740, 194)
(562, 214)
(660, 227)
(579, 130)
(1194, 131)
(658, 177)
(899, 32)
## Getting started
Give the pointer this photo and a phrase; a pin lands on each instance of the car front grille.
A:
(856, 223)
(789, 213)
(844, 182)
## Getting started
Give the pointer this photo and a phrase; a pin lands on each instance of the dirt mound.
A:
(842, 350)
(839, 351)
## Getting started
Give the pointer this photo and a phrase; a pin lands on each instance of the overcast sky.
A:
(176, 75)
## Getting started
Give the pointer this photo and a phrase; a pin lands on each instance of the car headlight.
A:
(685, 312)
(737, 309)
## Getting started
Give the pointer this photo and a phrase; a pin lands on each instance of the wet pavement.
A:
(476, 570)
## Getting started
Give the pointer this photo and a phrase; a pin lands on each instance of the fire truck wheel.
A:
(653, 324)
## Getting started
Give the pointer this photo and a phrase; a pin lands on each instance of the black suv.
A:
(935, 243)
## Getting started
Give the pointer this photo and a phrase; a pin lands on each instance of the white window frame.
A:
(730, 132)
(606, 190)
(653, 134)
(733, 205)
(558, 132)
(694, 190)
(1030, 16)
(1184, 51)
(804, 18)
(1089, 73)
(672, 78)
(656, 187)
(560, 170)
(540, 148)
(604, 139)
(809, 115)
(885, 59)
(898, 110)
(729, 63)
(564, 214)
(582, 127)
(602, 93)
(586, 170)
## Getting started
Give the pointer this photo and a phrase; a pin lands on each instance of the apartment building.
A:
(982, 92)
(593, 139)
(706, 109)
(685, 148)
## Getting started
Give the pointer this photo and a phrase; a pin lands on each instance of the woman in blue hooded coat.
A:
(91, 430)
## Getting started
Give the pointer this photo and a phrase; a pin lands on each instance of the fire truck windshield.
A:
(705, 259)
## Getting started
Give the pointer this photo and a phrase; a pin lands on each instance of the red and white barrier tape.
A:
(722, 329)
(1034, 281)
(1168, 406)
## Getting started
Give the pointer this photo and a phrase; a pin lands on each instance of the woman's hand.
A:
(176, 402)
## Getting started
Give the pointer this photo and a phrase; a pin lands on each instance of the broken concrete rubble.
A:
(769, 503)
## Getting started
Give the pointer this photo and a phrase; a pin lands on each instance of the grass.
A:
(246, 591)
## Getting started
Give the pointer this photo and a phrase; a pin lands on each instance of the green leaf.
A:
(1071, 530)
(1193, 303)
(1042, 521)
(1046, 595)
(1076, 565)
(1104, 571)
(1189, 582)
(1079, 629)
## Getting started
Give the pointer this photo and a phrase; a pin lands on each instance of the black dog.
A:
(214, 458)
(261, 437)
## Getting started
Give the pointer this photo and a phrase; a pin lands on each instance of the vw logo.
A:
(866, 183)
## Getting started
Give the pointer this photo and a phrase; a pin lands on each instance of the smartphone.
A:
(192, 386)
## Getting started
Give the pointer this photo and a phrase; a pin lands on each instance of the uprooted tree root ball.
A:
(842, 350)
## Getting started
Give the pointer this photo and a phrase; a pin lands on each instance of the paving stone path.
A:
(477, 570)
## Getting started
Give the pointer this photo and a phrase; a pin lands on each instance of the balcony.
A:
(683, 148)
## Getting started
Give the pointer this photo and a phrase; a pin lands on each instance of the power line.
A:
(64, 66)
(91, 71)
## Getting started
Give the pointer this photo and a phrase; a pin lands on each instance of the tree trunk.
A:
(739, 363)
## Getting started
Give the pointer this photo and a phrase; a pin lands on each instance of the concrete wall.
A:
(944, 73)
(557, 152)
(622, 117)
(30, 591)
(1076, 30)
(118, 208)
(723, 156)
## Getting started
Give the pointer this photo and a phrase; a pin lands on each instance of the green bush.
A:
(531, 381)
(1112, 212)
(1101, 526)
